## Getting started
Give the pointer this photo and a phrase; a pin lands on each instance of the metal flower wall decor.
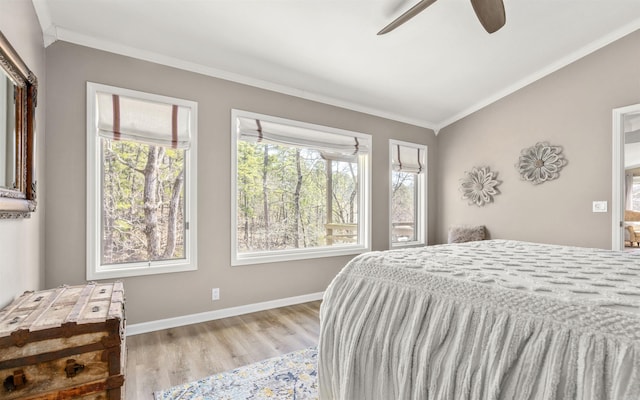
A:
(541, 163)
(479, 186)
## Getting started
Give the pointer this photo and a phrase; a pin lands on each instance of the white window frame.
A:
(94, 193)
(421, 202)
(364, 198)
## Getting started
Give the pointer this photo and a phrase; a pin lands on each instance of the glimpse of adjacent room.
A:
(632, 181)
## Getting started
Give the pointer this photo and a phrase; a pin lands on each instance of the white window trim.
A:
(421, 206)
(364, 225)
(94, 269)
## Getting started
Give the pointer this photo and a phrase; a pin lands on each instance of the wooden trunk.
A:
(64, 343)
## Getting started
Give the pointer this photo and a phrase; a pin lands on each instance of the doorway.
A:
(626, 157)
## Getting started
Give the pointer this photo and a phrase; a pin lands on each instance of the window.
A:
(141, 183)
(634, 201)
(407, 193)
(299, 190)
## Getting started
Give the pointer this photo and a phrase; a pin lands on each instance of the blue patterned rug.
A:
(292, 376)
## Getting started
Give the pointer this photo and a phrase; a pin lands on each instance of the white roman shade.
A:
(331, 145)
(408, 159)
(145, 121)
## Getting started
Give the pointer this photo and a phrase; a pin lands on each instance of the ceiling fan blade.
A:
(490, 13)
(412, 12)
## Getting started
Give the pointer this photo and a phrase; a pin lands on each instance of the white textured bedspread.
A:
(483, 320)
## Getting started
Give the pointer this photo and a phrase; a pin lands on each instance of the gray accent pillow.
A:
(465, 233)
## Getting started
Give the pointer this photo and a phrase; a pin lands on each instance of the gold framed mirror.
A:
(18, 98)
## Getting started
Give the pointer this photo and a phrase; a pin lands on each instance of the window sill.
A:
(126, 272)
(402, 245)
(292, 255)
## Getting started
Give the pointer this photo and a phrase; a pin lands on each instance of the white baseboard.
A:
(151, 326)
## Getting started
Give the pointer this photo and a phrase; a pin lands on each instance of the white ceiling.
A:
(432, 71)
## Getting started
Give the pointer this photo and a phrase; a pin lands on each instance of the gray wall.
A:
(572, 108)
(22, 241)
(149, 298)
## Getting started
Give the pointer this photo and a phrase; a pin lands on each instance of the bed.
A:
(485, 320)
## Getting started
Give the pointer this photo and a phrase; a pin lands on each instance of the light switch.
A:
(599, 206)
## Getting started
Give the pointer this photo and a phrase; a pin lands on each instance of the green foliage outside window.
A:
(290, 197)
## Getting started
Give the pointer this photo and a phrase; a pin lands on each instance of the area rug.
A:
(292, 376)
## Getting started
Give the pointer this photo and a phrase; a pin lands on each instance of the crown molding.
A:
(43, 13)
(53, 33)
(570, 58)
(104, 45)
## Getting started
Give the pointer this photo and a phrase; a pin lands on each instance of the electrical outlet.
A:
(215, 294)
(599, 206)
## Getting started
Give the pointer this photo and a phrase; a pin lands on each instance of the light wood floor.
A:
(159, 360)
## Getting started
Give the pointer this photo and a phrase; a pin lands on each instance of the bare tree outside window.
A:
(292, 198)
(142, 202)
(403, 206)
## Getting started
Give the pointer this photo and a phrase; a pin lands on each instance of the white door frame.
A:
(617, 199)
